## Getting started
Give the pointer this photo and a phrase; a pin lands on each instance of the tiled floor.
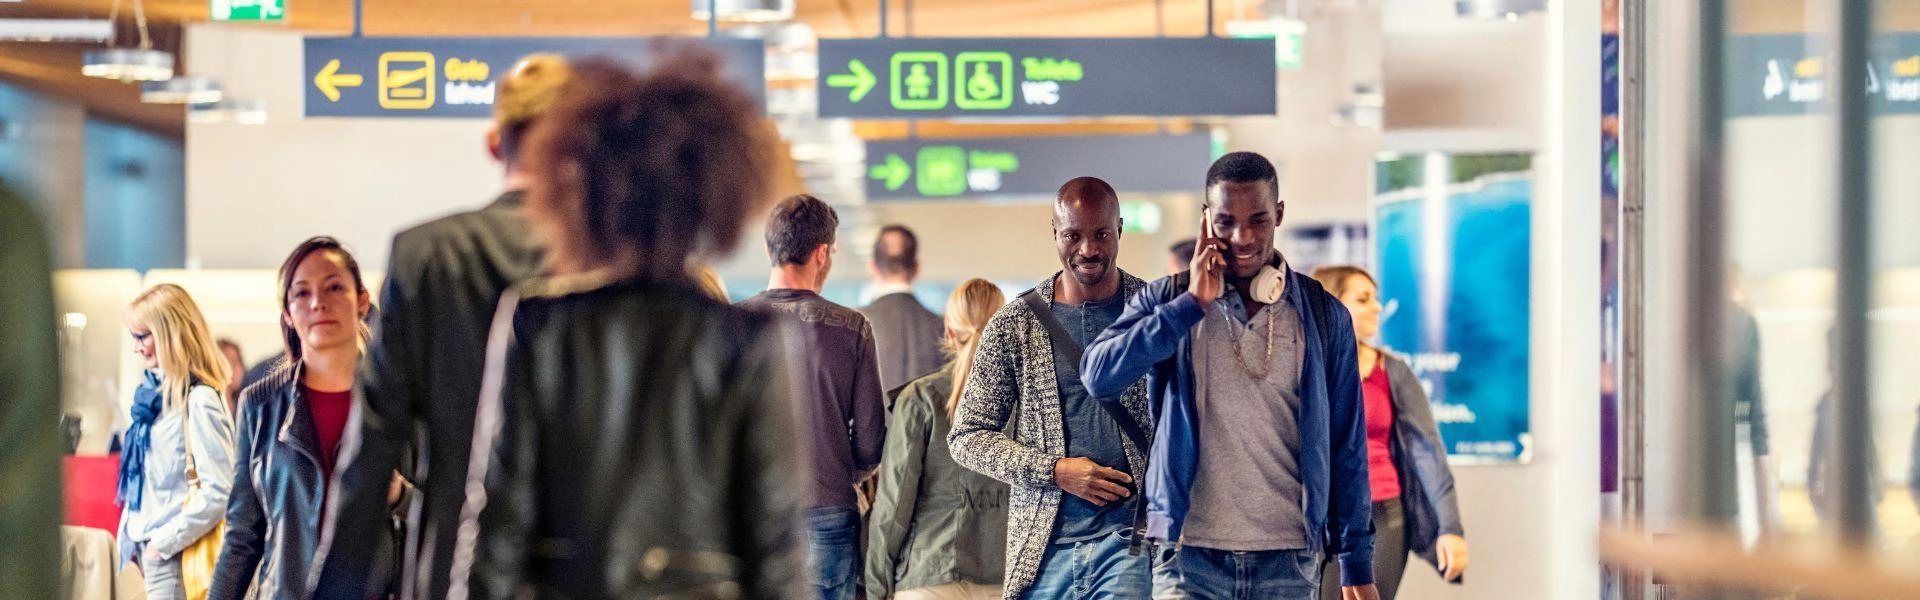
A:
(1899, 517)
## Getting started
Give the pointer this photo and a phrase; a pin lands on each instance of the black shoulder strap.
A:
(1064, 342)
(1044, 312)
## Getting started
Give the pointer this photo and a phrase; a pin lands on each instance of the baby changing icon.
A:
(918, 80)
(919, 84)
(985, 80)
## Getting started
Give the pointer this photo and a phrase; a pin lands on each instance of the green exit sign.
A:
(249, 10)
(1288, 38)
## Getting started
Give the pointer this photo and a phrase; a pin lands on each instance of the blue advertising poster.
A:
(1313, 246)
(1453, 236)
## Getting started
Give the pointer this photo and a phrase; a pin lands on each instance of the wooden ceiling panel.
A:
(832, 18)
(157, 10)
(54, 69)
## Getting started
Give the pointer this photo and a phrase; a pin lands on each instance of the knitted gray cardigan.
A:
(1012, 381)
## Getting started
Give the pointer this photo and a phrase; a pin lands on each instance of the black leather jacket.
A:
(273, 514)
(642, 447)
(418, 382)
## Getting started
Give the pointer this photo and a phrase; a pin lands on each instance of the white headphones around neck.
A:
(1268, 284)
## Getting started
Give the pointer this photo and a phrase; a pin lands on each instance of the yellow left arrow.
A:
(330, 80)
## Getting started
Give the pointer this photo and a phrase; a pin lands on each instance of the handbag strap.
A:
(186, 436)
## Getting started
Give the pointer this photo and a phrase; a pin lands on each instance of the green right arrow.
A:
(861, 80)
(895, 172)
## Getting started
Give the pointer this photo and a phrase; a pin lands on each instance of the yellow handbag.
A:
(198, 560)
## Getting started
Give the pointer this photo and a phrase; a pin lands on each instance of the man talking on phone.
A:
(1024, 418)
(1259, 469)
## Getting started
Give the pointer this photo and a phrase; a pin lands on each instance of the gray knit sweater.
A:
(1012, 381)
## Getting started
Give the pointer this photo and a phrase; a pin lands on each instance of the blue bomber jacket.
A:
(1153, 337)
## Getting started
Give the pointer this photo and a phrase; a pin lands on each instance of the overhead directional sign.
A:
(905, 78)
(455, 77)
(860, 80)
(1792, 74)
(921, 169)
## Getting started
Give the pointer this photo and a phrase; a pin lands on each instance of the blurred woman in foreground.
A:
(630, 440)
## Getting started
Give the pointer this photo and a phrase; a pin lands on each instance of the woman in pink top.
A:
(1414, 509)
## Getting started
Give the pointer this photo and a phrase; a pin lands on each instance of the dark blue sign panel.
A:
(1792, 74)
(455, 77)
(910, 78)
(1454, 273)
(921, 169)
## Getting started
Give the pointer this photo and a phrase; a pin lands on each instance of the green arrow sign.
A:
(861, 80)
(1034, 167)
(932, 78)
(895, 172)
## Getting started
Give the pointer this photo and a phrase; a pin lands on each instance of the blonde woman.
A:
(938, 530)
(710, 282)
(176, 468)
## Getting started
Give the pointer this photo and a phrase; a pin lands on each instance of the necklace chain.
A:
(1238, 334)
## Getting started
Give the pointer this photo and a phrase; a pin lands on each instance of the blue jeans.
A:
(162, 577)
(1207, 574)
(1093, 569)
(833, 548)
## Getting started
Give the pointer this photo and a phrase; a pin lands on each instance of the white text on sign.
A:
(468, 82)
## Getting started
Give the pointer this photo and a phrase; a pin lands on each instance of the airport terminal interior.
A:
(1651, 268)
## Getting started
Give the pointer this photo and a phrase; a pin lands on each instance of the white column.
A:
(1566, 298)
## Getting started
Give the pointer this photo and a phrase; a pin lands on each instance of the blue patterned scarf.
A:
(147, 402)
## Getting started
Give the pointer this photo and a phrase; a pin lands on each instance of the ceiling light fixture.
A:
(129, 64)
(793, 52)
(181, 90)
(744, 11)
(55, 30)
(1509, 10)
(231, 111)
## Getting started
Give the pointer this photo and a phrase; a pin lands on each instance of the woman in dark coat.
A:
(290, 427)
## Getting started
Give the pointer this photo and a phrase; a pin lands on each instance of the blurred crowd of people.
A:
(556, 398)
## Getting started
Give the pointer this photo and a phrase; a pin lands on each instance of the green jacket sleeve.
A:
(899, 490)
